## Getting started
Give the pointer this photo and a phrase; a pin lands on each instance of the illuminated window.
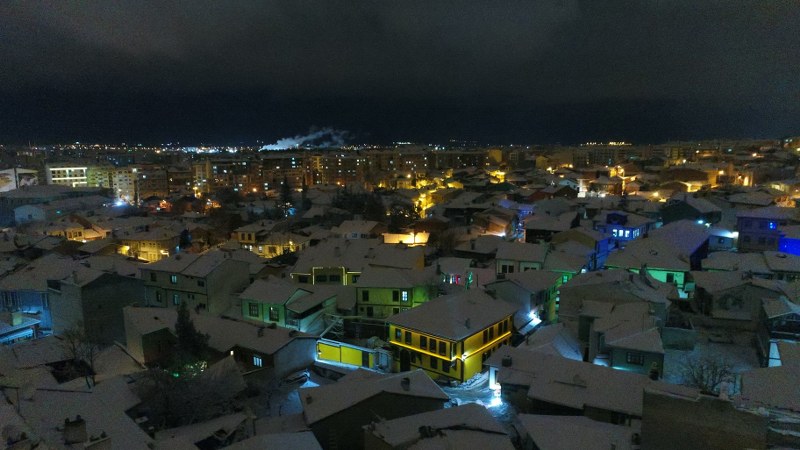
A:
(398, 334)
(404, 296)
(176, 299)
(173, 279)
(257, 361)
(274, 314)
(635, 358)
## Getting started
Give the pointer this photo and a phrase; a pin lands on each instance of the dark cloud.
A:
(511, 70)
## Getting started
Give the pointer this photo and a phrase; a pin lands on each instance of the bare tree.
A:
(81, 349)
(706, 373)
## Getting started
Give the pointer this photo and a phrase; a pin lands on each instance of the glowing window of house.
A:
(257, 361)
(176, 299)
(773, 226)
(260, 249)
(398, 334)
(627, 233)
(173, 279)
(253, 310)
(634, 358)
(274, 315)
(404, 296)
(614, 232)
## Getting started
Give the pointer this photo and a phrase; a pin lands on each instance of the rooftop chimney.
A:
(75, 431)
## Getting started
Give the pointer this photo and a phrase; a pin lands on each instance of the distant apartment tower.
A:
(66, 175)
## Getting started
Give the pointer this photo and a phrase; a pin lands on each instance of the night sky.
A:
(226, 72)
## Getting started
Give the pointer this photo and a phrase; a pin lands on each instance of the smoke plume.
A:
(316, 138)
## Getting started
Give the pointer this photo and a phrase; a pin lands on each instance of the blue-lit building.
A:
(621, 226)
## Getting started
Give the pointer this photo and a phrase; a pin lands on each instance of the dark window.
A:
(746, 239)
(670, 278)
(370, 311)
(395, 296)
(364, 296)
(152, 276)
(432, 345)
(158, 297)
(302, 279)
(446, 366)
(355, 278)
(395, 310)
(635, 358)
(176, 299)
(423, 342)
(442, 348)
(274, 314)
(434, 363)
(762, 241)
(253, 309)
(491, 333)
(408, 337)
(336, 278)
(201, 283)
(320, 278)
(485, 336)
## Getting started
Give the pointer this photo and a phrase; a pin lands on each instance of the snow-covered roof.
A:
(456, 316)
(324, 401)
(576, 432)
(278, 441)
(405, 431)
(521, 251)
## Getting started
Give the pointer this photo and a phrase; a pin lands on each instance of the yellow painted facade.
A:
(446, 358)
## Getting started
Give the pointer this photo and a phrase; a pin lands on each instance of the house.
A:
(668, 253)
(734, 298)
(442, 428)
(685, 206)
(621, 226)
(384, 291)
(497, 221)
(780, 322)
(273, 350)
(360, 229)
(205, 282)
(760, 229)
(451, 336)
(517, 257)
(337, 413)
(540, 227)
(26, 289)
(150, 245)
(456, 271)
(538, 383)
(16, 327)
(627, 338)
(93, 299)
(597, 242)
(482, 248)
(285, 304)
(790, 240)
(340, 262)
(683, 421)
(589, 296)
(545, 432)
(532, 292)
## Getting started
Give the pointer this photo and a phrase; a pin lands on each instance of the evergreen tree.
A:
(192, 345)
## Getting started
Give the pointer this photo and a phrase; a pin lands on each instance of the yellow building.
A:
(451, 337)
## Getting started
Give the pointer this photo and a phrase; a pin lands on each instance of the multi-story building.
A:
(452, 336)
(206, 283)
(760, 229)
(67, 175)
(285, 304)
(381, 292)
